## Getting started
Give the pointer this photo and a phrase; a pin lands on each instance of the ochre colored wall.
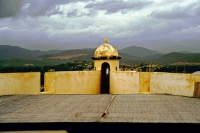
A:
(172, 83)
(73, 82)
(113, 64)
(144, 81)
(19, 83)
(196, 77)
(88, 82)
(197, 85)
(124, 82)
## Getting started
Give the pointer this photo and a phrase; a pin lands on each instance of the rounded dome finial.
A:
(106, 51)
(106, 40)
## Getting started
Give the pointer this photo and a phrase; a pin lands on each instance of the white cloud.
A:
(64, 20)
(178, 12)
(193, 30)
(4, 29)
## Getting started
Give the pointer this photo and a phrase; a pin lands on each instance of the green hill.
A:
(16, 56)
(178, 57)
(30, 62)
(138, 51)
(86, 55)
(7, 51)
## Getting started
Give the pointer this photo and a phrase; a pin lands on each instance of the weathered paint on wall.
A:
(113, 64)
(73, 82)
(172, 83)
(144, 82)
(196, 77)
(19, 83)
(124, 82)
(88, 82)
(196, 85)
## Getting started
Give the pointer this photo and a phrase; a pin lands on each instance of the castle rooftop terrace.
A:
(62, 112)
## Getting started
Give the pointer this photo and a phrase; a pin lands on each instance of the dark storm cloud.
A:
(114, 6)
(10, 8)
(36, 8)
(178, 12)
(76, 13)
(72, 13)
(41, 7)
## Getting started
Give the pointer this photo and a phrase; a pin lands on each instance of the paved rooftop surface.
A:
(138, 108)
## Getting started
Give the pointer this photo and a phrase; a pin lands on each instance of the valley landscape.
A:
(132, 57)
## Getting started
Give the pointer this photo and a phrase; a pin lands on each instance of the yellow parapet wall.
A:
(196, 77)
(19, 83)
(88, 82)
(129, 82)
(73, 82)
(172, 83)
(124, 82)
(197, 85)
(144, 82)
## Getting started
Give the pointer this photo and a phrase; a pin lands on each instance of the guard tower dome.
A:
(106, 54)
(106, 51)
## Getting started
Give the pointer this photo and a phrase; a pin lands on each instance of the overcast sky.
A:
(89, 21)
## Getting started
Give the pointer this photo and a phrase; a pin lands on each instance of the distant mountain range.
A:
(138, 51)
(168, 46)
(7, 51)
(178, 57)
(14, 55)
(159, 45)
(180, 48)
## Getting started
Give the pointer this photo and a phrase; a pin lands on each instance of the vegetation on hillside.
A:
(81, 59)
(16, 56)
(178, 57)
(138, 51)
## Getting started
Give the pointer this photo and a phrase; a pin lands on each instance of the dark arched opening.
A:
(105, 74)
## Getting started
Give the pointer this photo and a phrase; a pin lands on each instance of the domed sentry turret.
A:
(106, 59)
(106, 51)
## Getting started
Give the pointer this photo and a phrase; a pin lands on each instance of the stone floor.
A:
(90, 108)
(138, 108)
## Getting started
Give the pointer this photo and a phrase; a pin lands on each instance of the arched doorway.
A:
(105, 76)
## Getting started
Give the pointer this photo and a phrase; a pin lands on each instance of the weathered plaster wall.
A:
(197, 85)
(144, 82)
(172, 83)
(88, 82)
(19, 83)
(113, 64)
(124, 82)
(196, 77)
(73, 82)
